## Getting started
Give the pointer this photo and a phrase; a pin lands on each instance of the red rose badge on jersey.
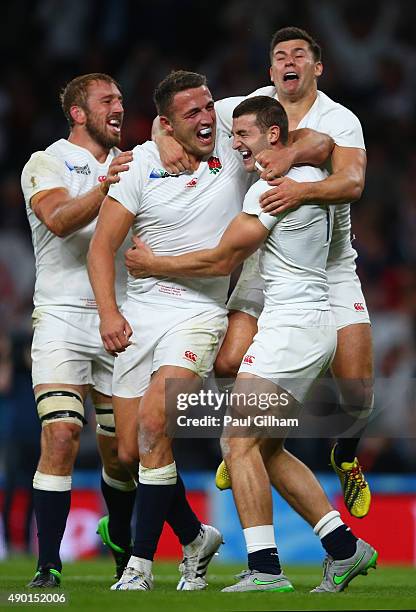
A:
(214, 165)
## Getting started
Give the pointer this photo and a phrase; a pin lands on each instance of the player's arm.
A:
(114, 222)
(305, 146)
(344, 185)
(243, 236)
(63, 214)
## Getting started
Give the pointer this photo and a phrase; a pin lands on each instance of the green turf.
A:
(86, 585)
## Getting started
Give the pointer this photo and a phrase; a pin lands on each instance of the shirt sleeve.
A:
(43, 171)
(344, 127)
(251, 204)
(128, 191)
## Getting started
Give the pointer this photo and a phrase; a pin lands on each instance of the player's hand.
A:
(286, 194)
(119, 164)
(275, 163)
(115, 332)
(172, 154)
(139, 259)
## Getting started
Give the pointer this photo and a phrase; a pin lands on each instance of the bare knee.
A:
(113, 467)
(227, 364)
(127, 459)
(151, 431)
(60, 443)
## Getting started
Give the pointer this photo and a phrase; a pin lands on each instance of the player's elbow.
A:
(57, 228)
(323, 150)
(223, 267)
(356, 190)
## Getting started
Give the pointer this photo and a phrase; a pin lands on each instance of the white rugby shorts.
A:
(67, 349)
(292, 355)
(166, 335)
(345, 294)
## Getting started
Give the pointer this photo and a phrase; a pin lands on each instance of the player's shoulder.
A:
(269, 91)
(46, 160)
(334, 109)
(145, 151)
(306, 174)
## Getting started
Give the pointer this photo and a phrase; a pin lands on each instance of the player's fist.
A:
(115, 332)
(139, 259)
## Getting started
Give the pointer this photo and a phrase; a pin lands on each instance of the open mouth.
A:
(291, 76)
(115, 124)
(245, 154)
(205, 135)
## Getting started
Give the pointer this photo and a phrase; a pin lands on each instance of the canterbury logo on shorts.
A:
(190, 356)
(249, 359)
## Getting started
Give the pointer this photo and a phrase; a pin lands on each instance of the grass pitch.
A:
(86, 587)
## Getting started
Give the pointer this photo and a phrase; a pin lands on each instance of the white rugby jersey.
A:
(61, 263)
(293, 258)
(179, 214)
(328, 117)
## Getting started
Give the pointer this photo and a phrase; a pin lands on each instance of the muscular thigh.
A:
(354, 354)
(242, 328)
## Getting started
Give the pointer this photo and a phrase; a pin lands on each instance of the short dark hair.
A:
(293, 33)
(75, 93)
(176, 81)
(268, 112)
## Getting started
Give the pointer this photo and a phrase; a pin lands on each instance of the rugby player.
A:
(176, 214)
(295, 344)
(295, 68)
(64, 187)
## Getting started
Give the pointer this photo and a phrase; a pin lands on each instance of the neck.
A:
(81, 138)
(297, 107)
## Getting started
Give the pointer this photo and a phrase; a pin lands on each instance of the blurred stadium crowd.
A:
(369, 55)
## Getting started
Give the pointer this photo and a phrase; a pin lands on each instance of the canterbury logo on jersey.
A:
(157, 173)
(79, 169)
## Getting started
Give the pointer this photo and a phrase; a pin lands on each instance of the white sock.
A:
(165, 475)
(48, 482)
(258, 538)
(140, 565)
(120, 485)
(328, 523)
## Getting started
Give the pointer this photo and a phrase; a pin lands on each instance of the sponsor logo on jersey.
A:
(79, 169)
(249, 359)
(359, 306)
(190, 356)
(33, 181)
(192, 183)
(102, 178)
(157, 173)
(214, 165)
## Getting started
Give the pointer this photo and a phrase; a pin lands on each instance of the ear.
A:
(319, 68)
(165, 124)
(273, 134)
(271, 75)
(78, 115)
